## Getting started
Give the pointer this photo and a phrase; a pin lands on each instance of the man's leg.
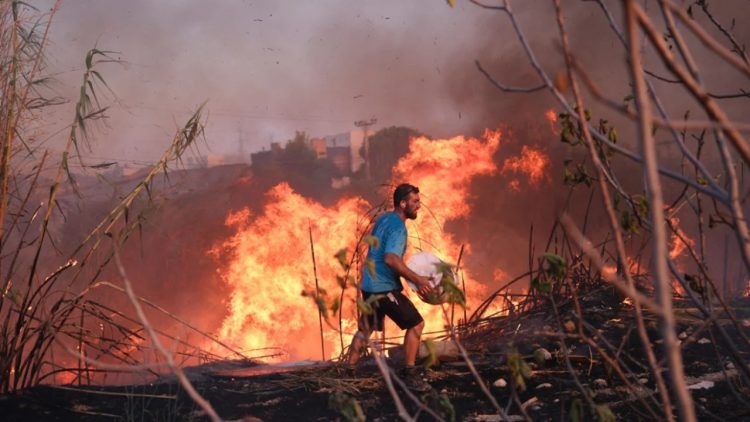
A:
(359, 342)
(412, 375)
(406, 316)
(411, 343)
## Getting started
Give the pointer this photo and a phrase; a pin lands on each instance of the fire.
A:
(678, 240)
(610, 270)
(271, 264)
(551, 117)
(269, 260)
(532, 162)
(443, 169)
(65, 377)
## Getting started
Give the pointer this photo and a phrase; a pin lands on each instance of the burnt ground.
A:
(242, 391)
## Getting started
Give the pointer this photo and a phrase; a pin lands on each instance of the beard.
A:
(410, 214)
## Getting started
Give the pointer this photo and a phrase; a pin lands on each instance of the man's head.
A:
(406, 200)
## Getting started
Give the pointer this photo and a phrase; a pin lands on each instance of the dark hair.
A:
(402, 192)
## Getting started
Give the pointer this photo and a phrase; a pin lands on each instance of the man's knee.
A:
(417, 329)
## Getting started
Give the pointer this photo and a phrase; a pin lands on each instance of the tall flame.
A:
(271, 264)
(679, 241)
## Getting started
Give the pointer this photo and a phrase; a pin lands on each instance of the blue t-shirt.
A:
(391, 233)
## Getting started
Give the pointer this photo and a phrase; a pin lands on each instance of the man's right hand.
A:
(424, 286)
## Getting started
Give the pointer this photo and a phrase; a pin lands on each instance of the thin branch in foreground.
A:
(656, 201)
(508, 88)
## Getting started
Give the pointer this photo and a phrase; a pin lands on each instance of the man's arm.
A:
(399, 267)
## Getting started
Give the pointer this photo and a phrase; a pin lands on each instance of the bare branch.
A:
(709, 41)
(508, 88)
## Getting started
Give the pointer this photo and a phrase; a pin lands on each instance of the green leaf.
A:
(341, 257)
(604, 413)
(519, 370)
(627, 222)
(576, 411)
(539, 356)
(448, 286)
(322, 308)
(555, 267)
(364, 307)
(347, 406)
(612, 135)
(446, 408)
(371, 241)
(567, 136)
(370, 264)
(432, 357)
(643, 205)
(541, 286)
(335, 306)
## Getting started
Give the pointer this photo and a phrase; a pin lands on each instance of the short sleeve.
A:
(395, 241)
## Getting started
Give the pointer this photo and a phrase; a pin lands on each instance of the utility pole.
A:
(365, 125)
(241, 142)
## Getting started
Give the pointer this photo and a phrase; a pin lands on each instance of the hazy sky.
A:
(269, 67)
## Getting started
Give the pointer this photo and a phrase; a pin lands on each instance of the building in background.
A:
(344, 151)
(353, 142)
(319, 146)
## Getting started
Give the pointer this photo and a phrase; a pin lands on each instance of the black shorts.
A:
(394, 304)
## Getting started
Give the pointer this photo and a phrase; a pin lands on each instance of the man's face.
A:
(411, 205)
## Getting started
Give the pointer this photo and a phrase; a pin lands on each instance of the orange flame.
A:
(551, 116)
(679, 241)
(532, 162)
(271, 264)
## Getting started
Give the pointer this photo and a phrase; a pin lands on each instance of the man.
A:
(384, 281)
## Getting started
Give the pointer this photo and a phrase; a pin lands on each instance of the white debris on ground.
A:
(600, 383)
(703, 385)
(542, 354)
(495, 418)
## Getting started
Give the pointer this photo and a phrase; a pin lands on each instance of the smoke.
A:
(269, 68)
